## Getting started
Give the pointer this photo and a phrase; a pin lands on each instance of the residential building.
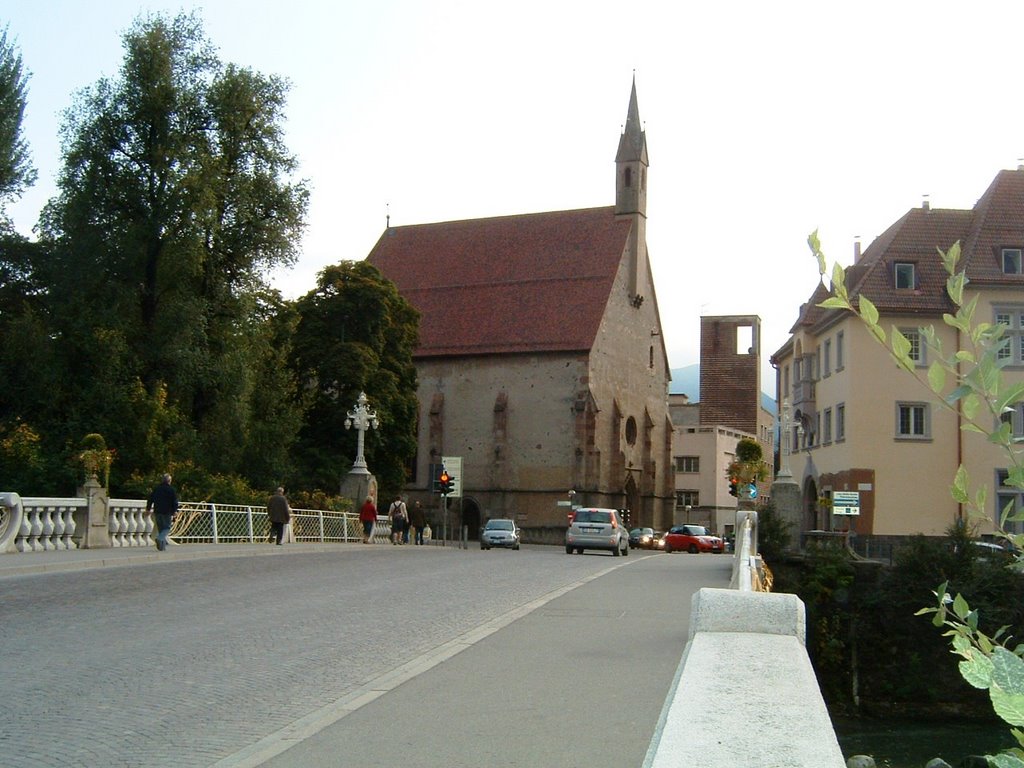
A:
(863, 425)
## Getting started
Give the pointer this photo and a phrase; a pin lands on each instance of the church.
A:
(541, 361)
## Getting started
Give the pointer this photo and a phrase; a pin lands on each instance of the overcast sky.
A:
(764, 121)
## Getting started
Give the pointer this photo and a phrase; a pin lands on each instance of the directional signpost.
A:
(846, 503)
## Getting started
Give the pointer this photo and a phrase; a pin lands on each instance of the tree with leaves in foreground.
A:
(356, 334)
(176, 197)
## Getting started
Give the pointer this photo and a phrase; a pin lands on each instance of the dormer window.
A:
(1011, 261)
(904, 275)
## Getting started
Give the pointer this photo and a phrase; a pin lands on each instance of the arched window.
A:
(629, 177)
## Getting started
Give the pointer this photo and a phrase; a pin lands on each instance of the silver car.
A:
(500, 532)
(597, 528)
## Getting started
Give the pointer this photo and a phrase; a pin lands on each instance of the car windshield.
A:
(499, 525)
(695, 530)
(593, 516)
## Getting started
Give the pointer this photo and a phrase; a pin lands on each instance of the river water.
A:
(911, 744)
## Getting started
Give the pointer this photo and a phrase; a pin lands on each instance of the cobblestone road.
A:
(181, 663)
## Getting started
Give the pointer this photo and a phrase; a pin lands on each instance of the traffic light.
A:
(733, 482)
(444, 482)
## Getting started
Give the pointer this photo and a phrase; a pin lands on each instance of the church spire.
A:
(631, 163)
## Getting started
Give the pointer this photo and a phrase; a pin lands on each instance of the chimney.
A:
(925, 205)
(856, 248)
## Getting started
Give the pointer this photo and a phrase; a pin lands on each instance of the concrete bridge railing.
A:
(39, 524)
(744, 693)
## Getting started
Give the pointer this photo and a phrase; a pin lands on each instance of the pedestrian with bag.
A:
(399, 518)
(163, 501)
(368, 516)
(280, 513)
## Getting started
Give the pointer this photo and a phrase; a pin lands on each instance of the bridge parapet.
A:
(745, 693)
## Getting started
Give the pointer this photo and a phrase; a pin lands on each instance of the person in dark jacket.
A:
(163, 501)
(280, 513)
(418, 520)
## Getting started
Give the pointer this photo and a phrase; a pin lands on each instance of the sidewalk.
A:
(24, 563)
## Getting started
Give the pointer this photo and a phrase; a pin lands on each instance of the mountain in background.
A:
(686, 381)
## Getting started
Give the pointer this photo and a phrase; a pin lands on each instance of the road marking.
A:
(285, 738)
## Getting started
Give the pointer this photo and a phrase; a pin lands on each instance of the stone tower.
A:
(631, 189)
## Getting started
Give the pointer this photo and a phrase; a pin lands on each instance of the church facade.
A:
(541, 361)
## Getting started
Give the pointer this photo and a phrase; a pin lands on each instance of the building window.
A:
(1015, 418)
(903, 272)
(1009, 501)
(826, 435)
(840, 352)
(1011, 347)
(912, 421)
(827, 359)
(917, 348)
(840, 422)
(630, 431)
(629, 177)
(687, 464)
(785, 380)
(686, 499)
(1011, 261)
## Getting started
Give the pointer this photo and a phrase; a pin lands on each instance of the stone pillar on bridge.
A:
(785, 489)
(97, 528)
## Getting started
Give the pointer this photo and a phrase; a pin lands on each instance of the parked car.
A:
(658, 541)
(641, 538)
(693, 539)
(597, 528)
(500, 532)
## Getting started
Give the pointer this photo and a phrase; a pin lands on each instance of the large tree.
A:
(16, 171)
(176, 197)
(355, 334)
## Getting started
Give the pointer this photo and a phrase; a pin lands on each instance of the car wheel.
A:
(693, 549)
(668, 549)
(482, 545)
(516, 547)
(568, 549)
(617, 552)
(625, 551)
(579, 550)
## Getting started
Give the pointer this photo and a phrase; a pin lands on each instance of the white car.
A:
(597, 528)
(500, 532)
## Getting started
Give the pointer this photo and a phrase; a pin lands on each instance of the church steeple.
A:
(631, 163)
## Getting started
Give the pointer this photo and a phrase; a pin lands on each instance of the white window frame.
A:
(1005, 494)
(1011, 257)
(689, 465)
(687, 497)
(920, 422)
(918, 350)
(1012, 346)
(840, 422)
(840, 351)
(826, 435)
(904, 275)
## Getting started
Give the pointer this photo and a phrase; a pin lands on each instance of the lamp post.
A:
(362, 418)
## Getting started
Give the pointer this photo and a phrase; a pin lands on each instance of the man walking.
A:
(280, 512)
(163, 501)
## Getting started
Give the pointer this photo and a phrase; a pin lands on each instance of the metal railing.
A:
(211, 523)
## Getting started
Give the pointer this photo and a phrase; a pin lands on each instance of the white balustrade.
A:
(21, 542)
(58, 529)
(69, 529)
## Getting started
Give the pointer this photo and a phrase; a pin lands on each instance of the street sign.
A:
(752, 491)
(846, 502)
(454, 466)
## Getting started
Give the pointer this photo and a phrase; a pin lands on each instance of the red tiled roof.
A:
(531, 283)
(995, 222)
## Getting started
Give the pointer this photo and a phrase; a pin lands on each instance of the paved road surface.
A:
(302, 657)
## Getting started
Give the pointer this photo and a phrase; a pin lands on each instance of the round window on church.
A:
(630, 430)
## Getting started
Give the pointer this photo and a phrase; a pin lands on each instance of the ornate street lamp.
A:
(362, 418)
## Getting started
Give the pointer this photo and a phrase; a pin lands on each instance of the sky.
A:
(765, 121)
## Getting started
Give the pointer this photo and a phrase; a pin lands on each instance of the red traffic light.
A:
(444, 477)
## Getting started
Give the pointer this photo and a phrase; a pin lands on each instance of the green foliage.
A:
(981, 396)
(773, 533)
(356, 334)
(749, 451)
(16, 171)
(22, 465)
